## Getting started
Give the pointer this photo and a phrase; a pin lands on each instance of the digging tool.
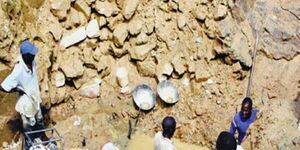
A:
(130, 128)
(248, 94)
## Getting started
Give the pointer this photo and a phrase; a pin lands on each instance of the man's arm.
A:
(21, 92)
(1, 89)
(232, 128)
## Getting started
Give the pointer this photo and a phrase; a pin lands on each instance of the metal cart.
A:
(54, 142)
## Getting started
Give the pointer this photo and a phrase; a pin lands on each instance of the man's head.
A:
(169, 126)
(28, 51)
(226, 141)
(246, 108)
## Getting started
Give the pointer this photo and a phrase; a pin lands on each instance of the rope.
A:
(252, 67)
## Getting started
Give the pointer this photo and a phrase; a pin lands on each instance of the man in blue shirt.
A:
(242, 120)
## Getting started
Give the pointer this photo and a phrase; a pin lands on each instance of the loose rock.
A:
(120, 34)
(202, 72)
(105, 34)
(82, 6)
(140, 52)
(142, 39)
(59, 8)
(135, 26)
(181, 21)
(92, 29)
(220, 12)
(106, 8)
(59, 78)
(102, 21)
(91, 89)
(129, 8)
(73, 38)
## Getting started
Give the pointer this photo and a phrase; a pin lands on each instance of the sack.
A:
(27, 106)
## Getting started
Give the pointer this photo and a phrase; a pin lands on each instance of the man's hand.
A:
(21, 92)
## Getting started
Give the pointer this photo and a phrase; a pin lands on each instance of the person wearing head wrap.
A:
(243, 119)
(23, 80)
(162, 140)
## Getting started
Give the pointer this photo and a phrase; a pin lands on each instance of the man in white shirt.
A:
(162, 140)
(226, 141)
(23, 79)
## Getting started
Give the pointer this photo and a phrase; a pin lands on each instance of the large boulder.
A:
(71, 64)
(240, 50)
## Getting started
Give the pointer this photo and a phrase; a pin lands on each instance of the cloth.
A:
(28, 48)
(27, 122)
(239, 147)
(162, 143)
(242, 125)
(109, 146)
(23, 78)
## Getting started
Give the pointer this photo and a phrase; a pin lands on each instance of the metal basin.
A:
(144, 97)
(168, 92)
